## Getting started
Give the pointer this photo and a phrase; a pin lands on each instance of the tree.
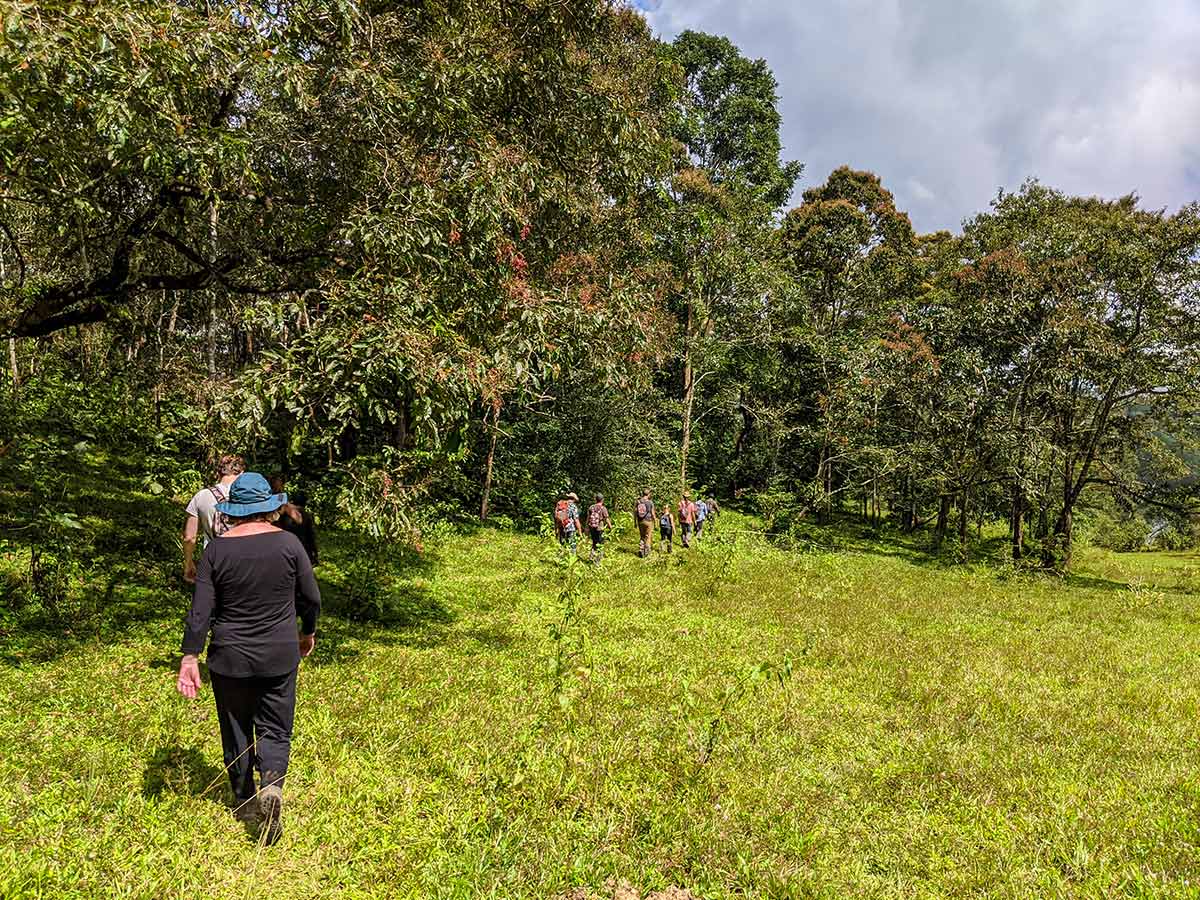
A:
(716, 231)
(153, 147)
(854, 256)
(1110, 321)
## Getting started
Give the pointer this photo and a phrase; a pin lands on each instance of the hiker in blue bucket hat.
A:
(251, 585)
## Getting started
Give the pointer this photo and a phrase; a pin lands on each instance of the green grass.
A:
(943, 731)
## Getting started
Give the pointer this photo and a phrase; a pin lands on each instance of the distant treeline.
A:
(450, 259)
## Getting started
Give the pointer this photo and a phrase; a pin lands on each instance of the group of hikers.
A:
(693, 516)
(254, 579)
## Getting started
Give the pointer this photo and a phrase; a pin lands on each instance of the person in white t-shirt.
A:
(203, 520)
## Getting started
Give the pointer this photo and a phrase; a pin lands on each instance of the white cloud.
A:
(949, 100)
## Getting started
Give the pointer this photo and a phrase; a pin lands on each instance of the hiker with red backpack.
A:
(598, 522)
(566, 521)
(643, 514)
(204, 521)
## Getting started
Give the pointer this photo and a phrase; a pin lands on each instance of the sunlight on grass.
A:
(521, 732)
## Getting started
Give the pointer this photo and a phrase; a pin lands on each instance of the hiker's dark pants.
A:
(597, 535)
(667, 536)
(256, 711)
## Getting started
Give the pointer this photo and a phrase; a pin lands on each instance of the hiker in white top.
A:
(203, 520)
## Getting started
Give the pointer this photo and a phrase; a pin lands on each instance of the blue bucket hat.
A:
(251, 494)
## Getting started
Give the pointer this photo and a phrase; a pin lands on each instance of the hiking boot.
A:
(270, 807)
(246, 812)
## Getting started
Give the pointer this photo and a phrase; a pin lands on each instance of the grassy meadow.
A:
(736, 721)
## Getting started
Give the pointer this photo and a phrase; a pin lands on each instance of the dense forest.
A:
(445, 260)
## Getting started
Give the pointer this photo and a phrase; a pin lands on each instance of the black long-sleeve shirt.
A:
(249, 591)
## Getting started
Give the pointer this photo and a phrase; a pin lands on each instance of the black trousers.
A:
(258, 712)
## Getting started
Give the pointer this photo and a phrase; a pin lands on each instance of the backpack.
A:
(594, 516)
(643, 510)
(562, 514)
(665, 521)
(220, 521)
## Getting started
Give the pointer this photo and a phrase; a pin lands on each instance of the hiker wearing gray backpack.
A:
(666, 528)
(204, 521)
(643, 514)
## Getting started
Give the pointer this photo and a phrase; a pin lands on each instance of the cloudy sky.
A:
(949, 100)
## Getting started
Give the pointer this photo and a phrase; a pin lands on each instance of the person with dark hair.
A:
(598, 522)
(666, 528)
(251, 585)
(295, 519)
(643, 515)
(203, 521)
(687, 519)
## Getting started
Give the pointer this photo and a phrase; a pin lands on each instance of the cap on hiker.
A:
(249, 495)
(572, 497)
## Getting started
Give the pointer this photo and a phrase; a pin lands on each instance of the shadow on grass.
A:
(377, 594)
(417, 621)
(104, 575)
(1093, 583)
(181, 771)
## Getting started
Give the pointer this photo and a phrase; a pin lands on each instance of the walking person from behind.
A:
(701, 515)
(252, 584)
(203, 521)
(666, 528)
(598, 522)
(687, 520)
(643, 515)
(566, 522)
(295, 518)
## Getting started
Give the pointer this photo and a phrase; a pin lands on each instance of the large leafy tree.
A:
(731, 119)
(716, 231)
(493, 238)
(1098, 310)
(854, 255)
(174, 146)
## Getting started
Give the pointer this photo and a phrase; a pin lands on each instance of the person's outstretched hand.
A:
(307, 642)
(189, 677)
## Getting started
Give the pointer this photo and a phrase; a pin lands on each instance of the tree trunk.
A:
(158, 374)
(491, 459)
(211, 331)
(943, 520)
(1017, 522)
(689, 396)
(963, 520)
(739, 445)
(13, 368)
(348, 443)
(400, 430)
(906, 521)
(828, 488)
(1059, 554)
